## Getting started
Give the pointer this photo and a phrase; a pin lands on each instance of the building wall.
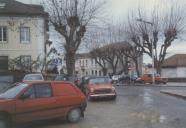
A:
(169, 72)
(13, 47)
(87, 66)
(179, 72)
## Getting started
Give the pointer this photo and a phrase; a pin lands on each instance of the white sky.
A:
(119, 9)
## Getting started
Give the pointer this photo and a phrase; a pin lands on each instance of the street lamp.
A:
(152, 48)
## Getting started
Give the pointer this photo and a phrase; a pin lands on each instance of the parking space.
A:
(135, 107)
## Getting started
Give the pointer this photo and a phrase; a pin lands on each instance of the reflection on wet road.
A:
(135, 107)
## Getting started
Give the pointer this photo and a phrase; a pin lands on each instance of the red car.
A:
(100, 87)
(148, 78)
(33, 101)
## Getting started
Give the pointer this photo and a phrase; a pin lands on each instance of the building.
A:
(23, 32)
(85, 65)
(174, 66)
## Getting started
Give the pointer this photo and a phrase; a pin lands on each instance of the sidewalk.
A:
(169, 84)
(175, 84)
(176, 93)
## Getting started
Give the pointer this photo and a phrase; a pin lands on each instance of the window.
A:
(96, 72)
(25, 62)
(99, 73)
(149, 75)
(83, 63)
(31, 93)
(43, 90)
(92, 62)
(2, 5)
(3, 62)
(101, 80)
(86, 62)
(3, 34)
(13, 91)
(25, 34)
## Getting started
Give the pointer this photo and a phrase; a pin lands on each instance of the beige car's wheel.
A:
(74, 115)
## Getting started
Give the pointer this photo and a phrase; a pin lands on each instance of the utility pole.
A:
(152, 48)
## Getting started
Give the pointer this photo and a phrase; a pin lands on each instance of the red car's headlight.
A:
(91, 90)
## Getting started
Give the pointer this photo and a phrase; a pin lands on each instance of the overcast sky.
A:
(119, 9)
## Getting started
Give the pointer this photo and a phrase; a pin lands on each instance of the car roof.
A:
(41, 82)
(94, 77)
(34, 74)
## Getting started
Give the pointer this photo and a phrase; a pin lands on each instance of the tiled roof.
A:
(116, 44)
(123, 44)
(15, 8)
(178, 60)
(82, 55)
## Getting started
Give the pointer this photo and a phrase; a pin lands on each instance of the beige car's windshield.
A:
(99, 81)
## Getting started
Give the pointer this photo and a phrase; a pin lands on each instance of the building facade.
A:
(85, 65)
(23, 32)
(174, 66)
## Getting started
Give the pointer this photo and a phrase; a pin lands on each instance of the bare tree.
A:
(156, 35)
(70, 19)
(100, 58)
(133, 53)
(111, 56)
(122, 50)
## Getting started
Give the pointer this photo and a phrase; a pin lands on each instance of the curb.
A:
(146, 85)
(174, 94)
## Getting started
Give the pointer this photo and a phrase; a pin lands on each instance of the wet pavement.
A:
(176, 93)
(135, 107)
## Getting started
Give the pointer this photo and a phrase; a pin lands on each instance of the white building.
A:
(23, 32)
(85, 65)
(174, 66)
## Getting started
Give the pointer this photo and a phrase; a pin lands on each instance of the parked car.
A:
(61, 77)
(147, 78)
(32, 101)
(115, 78)
(126, 79)
(33, 77)
(100, 87)
(74, 79)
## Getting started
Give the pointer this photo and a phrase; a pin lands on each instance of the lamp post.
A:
(152, 48)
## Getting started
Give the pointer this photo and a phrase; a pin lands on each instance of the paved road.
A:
(135, 107)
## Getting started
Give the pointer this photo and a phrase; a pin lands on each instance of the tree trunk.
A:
(125, 66)
(136, 65)
(113, 70)
(157, 65)
(70, 63)
(158, 69)
(104, 71)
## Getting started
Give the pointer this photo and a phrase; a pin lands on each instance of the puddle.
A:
(150, 116)
(163, 118)
(148, 101)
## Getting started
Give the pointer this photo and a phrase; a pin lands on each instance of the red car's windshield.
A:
(14, 91)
